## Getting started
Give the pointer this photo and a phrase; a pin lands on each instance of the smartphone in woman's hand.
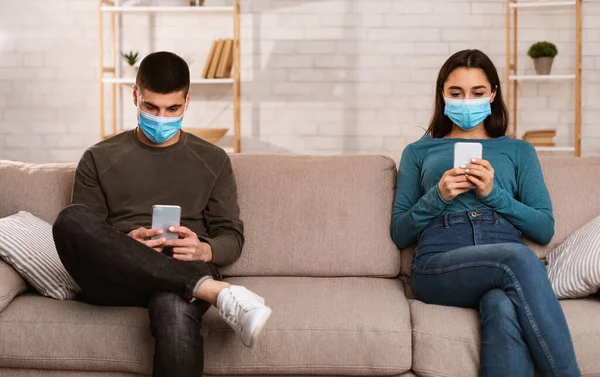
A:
(465, 152)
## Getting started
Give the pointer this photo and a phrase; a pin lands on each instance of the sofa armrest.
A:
(11, 284)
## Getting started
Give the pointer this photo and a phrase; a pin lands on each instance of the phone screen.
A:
(163, 217)
(465, 152)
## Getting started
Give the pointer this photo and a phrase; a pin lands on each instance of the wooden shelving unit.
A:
(111, 75)
(131, 80)
(110, 7)
(513, 77)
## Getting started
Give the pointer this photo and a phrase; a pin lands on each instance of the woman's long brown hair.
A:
(496, 124)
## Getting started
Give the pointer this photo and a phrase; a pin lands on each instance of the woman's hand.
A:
(454, 182)
(480, 173)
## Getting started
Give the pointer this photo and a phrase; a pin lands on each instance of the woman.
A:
(470, 253)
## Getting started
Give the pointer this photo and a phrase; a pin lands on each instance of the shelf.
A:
(181, 9)
(543, 4)
(114, 78)
(541, 77)
(514, 77)
(125, 81)
(555, 149)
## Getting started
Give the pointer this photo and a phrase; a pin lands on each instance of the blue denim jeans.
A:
(476, 259)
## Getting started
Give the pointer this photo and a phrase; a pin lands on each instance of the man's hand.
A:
(143, 235)
(188, 247)
(481, 174)
(453, 183)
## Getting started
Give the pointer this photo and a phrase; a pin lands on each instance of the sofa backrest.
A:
(574, 185)
(42, 189)
(304, 216)
(316, 216)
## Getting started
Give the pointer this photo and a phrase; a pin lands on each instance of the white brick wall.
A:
(320, 77)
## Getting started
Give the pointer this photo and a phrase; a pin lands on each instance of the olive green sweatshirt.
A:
(121, 178)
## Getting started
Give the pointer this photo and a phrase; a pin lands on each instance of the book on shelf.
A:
(541, 132)
(209, 59)
(540, 138)
(226, 60)
(214, 63)
(219, 62)
(536, 144)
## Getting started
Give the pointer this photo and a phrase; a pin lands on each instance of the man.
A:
(104, 241)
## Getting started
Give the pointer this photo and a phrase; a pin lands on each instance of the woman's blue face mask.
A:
(469, 113)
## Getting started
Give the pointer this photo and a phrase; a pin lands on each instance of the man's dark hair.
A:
(163, 72)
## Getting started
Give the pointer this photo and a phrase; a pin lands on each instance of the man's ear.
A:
(188, 99)
(135, 95)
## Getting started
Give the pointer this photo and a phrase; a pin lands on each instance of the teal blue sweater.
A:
(519, 192)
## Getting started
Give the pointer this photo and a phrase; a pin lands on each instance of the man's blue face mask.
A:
(159, 129)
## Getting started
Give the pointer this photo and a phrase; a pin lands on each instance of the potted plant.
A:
(131, 58)
(543, 54)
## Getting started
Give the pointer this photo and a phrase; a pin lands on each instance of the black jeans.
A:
(113, 269)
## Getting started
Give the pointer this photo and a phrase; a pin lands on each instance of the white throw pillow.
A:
(26, 243)
(574, 266)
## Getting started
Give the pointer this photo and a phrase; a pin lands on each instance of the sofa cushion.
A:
(11, 372)
(316, 216)
(26, 243)
(42, 190)
(334, 326)
(446, 340)
(325, 326)
(61, 373)
(11, 284)
(43, 333)
(574, 266)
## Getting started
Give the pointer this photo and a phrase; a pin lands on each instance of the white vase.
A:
(135, 3)
(543, 66)
(130, 71)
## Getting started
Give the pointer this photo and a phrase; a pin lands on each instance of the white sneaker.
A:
(244, 311)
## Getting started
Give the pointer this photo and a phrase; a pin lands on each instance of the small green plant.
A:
(131, 57)
(542, 49)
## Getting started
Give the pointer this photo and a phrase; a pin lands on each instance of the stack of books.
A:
(220, 60)
(540, 138)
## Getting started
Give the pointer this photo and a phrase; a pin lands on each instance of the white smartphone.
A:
(465, 152)
(163, 217)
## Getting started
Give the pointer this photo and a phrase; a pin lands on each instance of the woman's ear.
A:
(493, 96)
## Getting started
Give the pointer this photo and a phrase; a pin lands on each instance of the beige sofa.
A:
(318, 249)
